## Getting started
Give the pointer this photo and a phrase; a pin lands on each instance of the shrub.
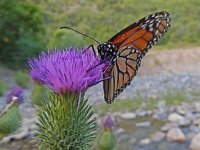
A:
(21, 29)
(65, 38)
(22, 79)
(3, 87)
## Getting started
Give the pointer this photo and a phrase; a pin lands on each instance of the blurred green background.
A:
(29, 26)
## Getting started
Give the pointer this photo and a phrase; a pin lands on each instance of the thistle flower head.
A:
(108, 123)
(15, 94)
(68, 70)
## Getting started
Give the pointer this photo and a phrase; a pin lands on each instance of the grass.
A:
(122, 105)
(150, 104)
(174, 97)
(171, 97)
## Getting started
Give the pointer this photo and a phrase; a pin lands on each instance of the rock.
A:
(175, 134)
(120, 131)
(145, 141)
(132, 140)
(6, 139)
(195, 144)
(194, 129)
(190, 115)
(157, 136)
(142, 114)
(185, 122)
(143, 124)
(155, 117)
(197, 121)
(175, 117)
(33, 127)
(22, 135)
(149, 112)
(122, 138)
(180, 110)
(161, 113)
(128, 115)
(168, 126)
(197, 107)
(189, 136)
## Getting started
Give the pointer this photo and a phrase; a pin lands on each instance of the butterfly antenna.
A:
(80, 33)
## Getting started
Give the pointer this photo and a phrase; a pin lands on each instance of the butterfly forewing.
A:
(143, 34)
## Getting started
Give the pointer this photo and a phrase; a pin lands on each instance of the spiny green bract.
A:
(62, 127)
(107, 140)
(10, 120)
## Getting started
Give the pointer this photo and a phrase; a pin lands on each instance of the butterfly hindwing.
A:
(122, 72)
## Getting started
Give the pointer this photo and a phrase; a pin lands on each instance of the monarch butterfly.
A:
(126, 49)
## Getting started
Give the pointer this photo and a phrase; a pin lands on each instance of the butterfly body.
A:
(108, 52)
(126, 49)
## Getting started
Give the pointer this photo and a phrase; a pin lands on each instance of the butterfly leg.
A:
(109, 76)
(91, 46)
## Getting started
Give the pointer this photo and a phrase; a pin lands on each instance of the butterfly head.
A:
(107, 51)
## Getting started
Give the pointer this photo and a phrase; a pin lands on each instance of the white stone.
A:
(175, 117)
(157, 136)
(195, 142)
(143, 124)
(180, 110)
(168, 126)
(145, 141)
(5, 140)
(175, 134)
(142, 113)
(128, 115)
(197, 107)
(120, 131)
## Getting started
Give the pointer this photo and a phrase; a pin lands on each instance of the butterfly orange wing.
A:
(143, 34)
(133, 42)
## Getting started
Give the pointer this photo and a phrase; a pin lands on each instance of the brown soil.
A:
(171, 61)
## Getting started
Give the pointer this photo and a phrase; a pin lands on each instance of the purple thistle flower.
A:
(16, 93)
(108, 123)
(67, 70)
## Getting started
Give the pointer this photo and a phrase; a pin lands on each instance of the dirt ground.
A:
(171, 61)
